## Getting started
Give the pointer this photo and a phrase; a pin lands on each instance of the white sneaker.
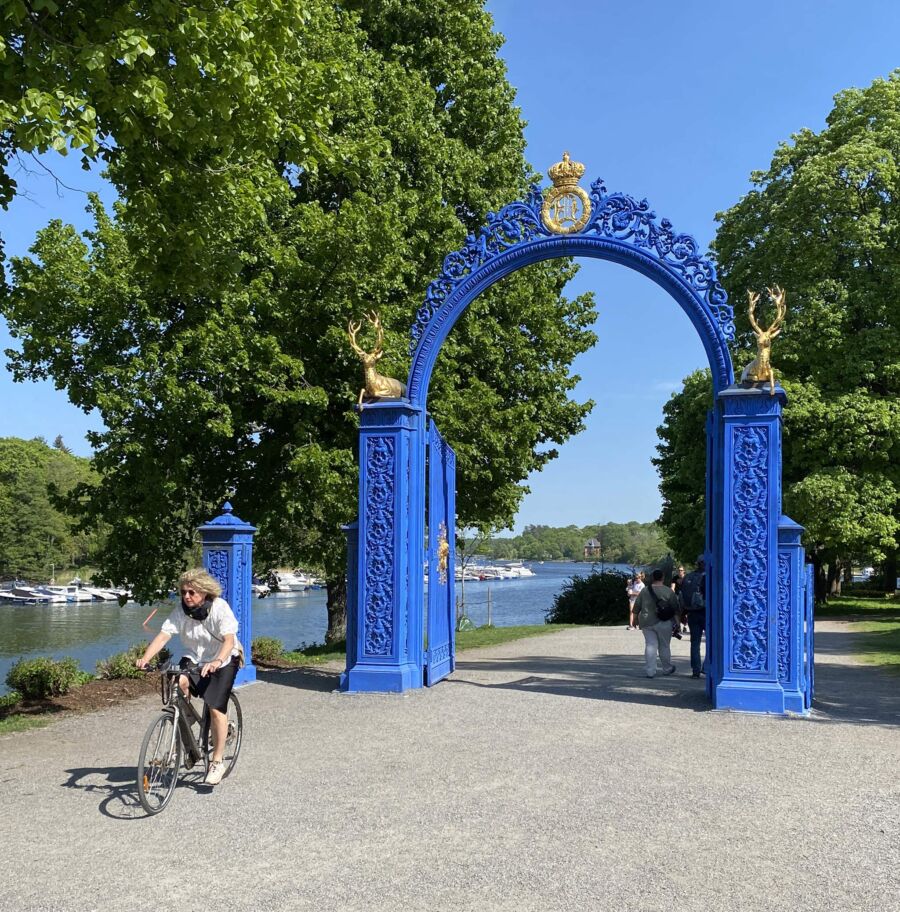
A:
(215, 773)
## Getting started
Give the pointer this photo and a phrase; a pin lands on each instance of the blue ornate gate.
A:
(440, 651)
(759, 637)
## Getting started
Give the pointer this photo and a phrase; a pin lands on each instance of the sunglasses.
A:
(191, 592)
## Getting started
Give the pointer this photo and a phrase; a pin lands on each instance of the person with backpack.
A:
(696, 615)
(695, 608)
(657, 606)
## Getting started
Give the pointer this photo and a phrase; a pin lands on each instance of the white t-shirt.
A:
(202, 640)
(634, 592)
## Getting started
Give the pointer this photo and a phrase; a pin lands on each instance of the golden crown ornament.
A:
(567, 207)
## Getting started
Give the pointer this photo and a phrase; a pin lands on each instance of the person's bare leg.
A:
(218, 724)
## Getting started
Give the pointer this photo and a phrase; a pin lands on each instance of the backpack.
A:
(665, 610)
(698, 599)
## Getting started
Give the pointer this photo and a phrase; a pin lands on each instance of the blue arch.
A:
(620, 229)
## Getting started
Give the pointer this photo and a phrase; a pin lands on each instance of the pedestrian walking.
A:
(634, 590)
(656, 607)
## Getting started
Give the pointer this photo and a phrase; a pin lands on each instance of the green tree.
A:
(823, 222)
(205, 317)
(34, 534)
(682, 465)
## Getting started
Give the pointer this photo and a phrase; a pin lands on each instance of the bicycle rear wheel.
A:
(158, 764)
(233, 739)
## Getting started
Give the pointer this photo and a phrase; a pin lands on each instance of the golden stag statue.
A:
(377, 386)
(760, 368)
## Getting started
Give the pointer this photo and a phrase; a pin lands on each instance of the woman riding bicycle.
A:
(208, 629)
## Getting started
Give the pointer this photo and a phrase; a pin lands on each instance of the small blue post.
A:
(228, 556)
(792, 659)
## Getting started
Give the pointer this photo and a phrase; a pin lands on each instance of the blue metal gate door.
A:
(808, 671)
(440, 649)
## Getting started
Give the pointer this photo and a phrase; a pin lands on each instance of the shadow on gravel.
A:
(116, 787)
(616, 678)
(846, 694)
(854, 694)
(317, 679)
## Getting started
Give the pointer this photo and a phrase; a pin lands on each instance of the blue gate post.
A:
(791, 610)
(746, 675)
(351, 530)
(386, 654)
(228, 556)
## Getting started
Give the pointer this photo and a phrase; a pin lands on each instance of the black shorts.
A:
(215, 688)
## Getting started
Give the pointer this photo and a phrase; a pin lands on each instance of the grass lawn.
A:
(491, 636)
(881, 641)
(21, 722)
(879, 622)
(847, 607)
(465, 639)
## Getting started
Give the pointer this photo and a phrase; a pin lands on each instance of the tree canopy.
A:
(823, 221)
(348, 148)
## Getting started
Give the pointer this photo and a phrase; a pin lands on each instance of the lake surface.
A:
(90, 631)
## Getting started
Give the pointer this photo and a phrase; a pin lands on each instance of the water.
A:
(90, 631)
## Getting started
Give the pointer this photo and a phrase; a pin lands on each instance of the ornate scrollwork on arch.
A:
(614, 216)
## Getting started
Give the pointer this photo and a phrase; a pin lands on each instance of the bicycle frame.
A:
(185, 716)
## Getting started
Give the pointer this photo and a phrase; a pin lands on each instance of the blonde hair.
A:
(202, 581)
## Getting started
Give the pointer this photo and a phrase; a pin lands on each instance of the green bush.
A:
(121, 665)
(8, 700)
(599, 598)
(266, 649)
(45, 677)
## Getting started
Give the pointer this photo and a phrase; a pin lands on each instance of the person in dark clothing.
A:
(693, 593)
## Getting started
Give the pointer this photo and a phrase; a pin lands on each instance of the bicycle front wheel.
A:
(158, 764)
(233, 738)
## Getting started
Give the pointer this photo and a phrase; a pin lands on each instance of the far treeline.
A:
(37, 538)
(616, 543)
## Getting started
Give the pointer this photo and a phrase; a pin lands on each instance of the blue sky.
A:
(675, 103)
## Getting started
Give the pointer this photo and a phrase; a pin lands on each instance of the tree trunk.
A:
(819, 582)
(890, 571)
(833, 569)
(337, 610)
(848, 573)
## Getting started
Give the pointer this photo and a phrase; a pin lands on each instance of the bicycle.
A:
(171, 739)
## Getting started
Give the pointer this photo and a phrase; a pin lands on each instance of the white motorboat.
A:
(28, 592)
(72, 593)
(8, 595)
(48, 595)
(102, 595)
(289, 581)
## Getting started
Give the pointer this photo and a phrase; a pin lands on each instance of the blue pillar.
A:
(792, 657)
(228, 556)
(383, 654)
(352, 532)
(745, 675)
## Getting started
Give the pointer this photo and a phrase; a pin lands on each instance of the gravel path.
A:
(546, 774)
